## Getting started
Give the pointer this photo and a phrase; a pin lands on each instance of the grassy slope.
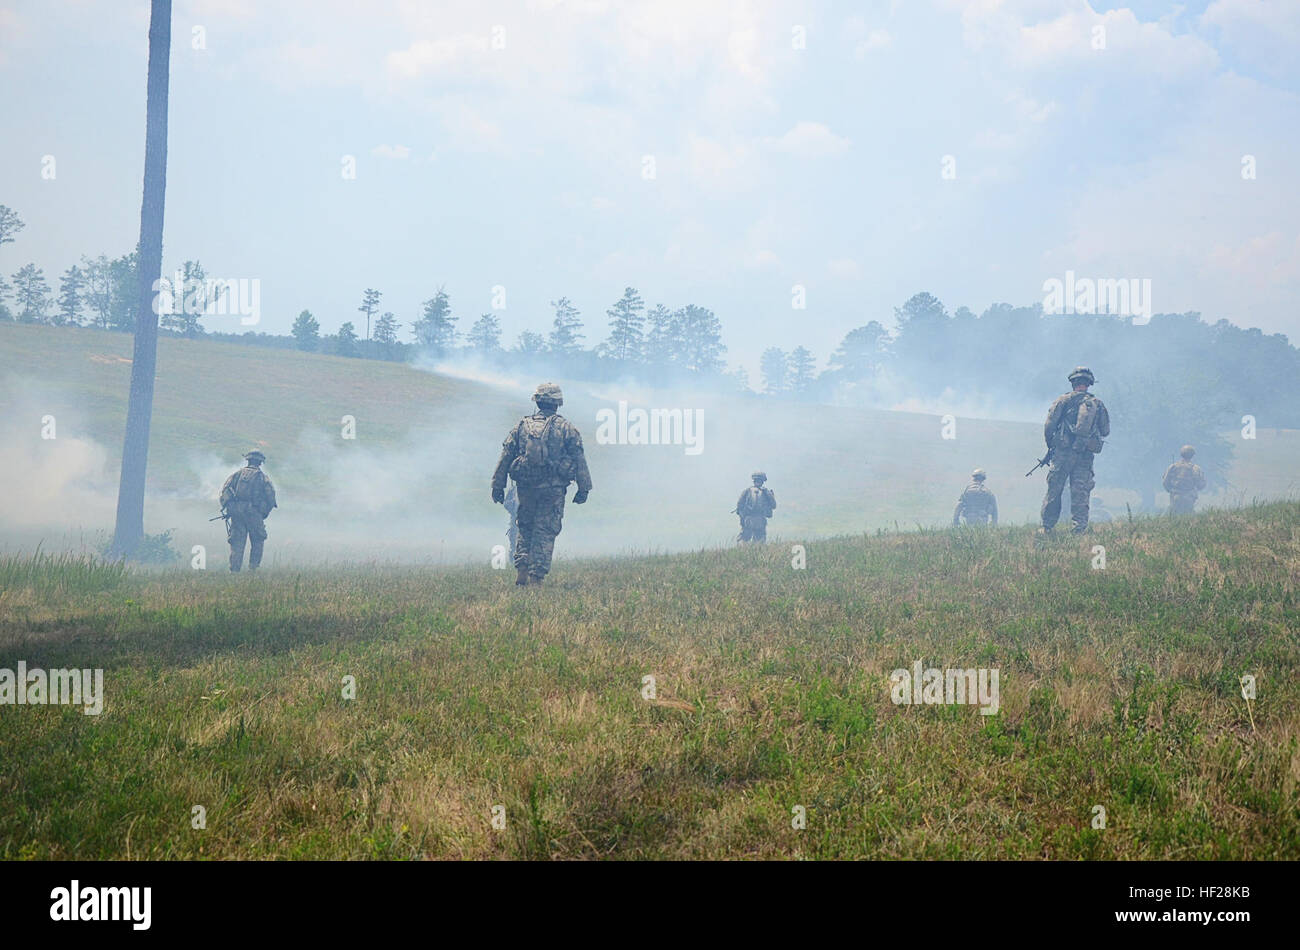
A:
(834, 469)
(224, 397)
(1119, 688)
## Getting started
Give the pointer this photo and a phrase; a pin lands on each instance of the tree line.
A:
(1174, 379)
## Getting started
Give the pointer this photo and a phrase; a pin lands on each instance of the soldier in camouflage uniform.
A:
(542, 454)
(1075, 427)
(755, 506)
(977, 504)
(247, 498)
(1183, 480)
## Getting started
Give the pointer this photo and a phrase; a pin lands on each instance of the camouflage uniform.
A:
(541, 484)
(1183, 480)
(1072, 452)
(247, 498)
(754, 507)
(977, 504)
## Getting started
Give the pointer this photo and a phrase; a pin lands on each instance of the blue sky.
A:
(504, 144)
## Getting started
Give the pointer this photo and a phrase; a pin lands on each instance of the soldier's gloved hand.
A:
(499, 496)
(580, 497)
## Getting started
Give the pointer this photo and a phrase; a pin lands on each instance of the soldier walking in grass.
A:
(755, 506)
(542, 455)
(977, 504)
(1075, 427)
(246, 499)
(1184, 480)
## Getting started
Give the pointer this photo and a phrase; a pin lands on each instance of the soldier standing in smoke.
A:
(542, 454)
(1183, 480)
(755, 506)
(977, 504)
(246, 499)
(1076, 424)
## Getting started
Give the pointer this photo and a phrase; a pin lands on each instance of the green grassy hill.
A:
(412, 485)
(1119, 688)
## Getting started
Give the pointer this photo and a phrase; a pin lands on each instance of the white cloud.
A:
(1267, 32)
(844, 268)
(876, 39)
(809, 140)
(441, 56)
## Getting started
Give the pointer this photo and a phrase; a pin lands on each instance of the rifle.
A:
(1045, 460)
(224, 516)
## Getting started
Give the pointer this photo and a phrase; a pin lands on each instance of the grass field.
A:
(1119, 688)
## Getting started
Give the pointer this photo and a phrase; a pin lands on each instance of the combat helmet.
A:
(1187, 451)
(759, 476)
(255, 456)
(1082, 372)
(979, 474)
(548, 392)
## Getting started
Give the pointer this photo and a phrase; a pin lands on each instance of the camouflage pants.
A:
(538, 521)
(251, 528)
(1076, 468)
(752, 528)
(1182, 503)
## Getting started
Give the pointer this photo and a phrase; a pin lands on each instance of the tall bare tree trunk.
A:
(139, 410)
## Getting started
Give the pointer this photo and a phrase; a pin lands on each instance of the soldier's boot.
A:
(535, 580)
(521, 576)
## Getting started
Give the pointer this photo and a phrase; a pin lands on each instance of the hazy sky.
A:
(505, 144)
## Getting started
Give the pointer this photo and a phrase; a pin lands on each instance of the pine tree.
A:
(529, 343)
(861, 353)
(369, 304)
(803, 370)
(306, 330)
(345, 344)
(123, 292)
(700, 340)
(386, 333)
(775, 367)
(71, 285)
(10, 224)
(436, 329)
(485, 335)
(663, 336)
(565, 337)
(626, 319)
(31, 294)
(98, 291)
